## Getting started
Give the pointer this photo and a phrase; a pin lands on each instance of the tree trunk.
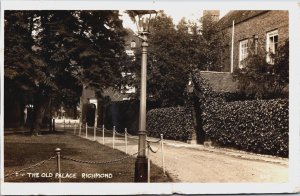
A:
(40, 107)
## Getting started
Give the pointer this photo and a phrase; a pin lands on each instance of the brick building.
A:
(256, 30)
(110, 96)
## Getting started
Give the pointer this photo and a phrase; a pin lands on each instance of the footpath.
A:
(197, 163)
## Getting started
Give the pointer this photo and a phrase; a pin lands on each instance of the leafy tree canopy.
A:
(50, 55)
(172, 53)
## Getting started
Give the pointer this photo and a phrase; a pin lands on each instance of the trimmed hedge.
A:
(174, 122)
(259, 126)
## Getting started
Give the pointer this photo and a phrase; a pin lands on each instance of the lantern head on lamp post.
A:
(142, 19)
(190, 87)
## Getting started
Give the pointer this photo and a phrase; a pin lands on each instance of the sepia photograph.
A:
(146, 96)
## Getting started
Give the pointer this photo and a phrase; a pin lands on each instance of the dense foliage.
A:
(259, 125)
(173, 122)
(50, 55)
(265, 79)
(174, 50)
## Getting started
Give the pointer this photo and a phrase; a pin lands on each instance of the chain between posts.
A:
(58, 156)
(99, 163)
(127, 135)
(151, 141)
(151, 149)
(90, 126)
(121, 134)
(132, 136)
(30, 167)
(106, 130)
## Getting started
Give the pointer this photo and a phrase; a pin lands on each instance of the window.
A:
(243, 52)
(272, 44)
(128, 89)
(132, 44)
(129, 52)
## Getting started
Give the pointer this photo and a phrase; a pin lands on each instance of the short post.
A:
(57, 150)
(162, 152)
(64, 124)
(50, 124)
(53, 124)
(79, 128)
(95, 126)
(148, 154)
(103, 134)
(69, 124)
(86, 127)
(95, 131)
(75, 129)
(114, 137)
(126, 140)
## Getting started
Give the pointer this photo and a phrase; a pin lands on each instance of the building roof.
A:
(220, 81)
(114, 95)
(129, 38)
(238, 16)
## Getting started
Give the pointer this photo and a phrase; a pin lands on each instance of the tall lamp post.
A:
(142, 19)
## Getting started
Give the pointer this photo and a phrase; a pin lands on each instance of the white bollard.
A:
(58, 150)
(79, 128)
(95, 132)
(75, 129)
(162, 152)
(102, 134)
(148, 154)
(86, 127)
(114, 137)
(95, 128)
(126, 140)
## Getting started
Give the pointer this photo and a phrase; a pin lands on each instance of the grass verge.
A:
(21, 151)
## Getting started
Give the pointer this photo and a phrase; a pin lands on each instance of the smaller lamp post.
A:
(190, 90)
(142, 19)
(31, 116)
(190, 87)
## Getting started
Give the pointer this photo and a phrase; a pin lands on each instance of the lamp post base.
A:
(141, 169)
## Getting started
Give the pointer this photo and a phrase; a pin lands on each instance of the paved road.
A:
(196, 163)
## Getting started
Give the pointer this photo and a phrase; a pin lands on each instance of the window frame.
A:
(242, 50)
(133, 44)
(271, 34)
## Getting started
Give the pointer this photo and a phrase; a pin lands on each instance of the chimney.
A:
(214, 14)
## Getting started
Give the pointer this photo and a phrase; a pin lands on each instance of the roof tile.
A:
(220, 81)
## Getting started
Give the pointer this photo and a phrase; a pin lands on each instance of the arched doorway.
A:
(90, 114)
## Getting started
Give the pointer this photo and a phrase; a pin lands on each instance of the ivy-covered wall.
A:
(259, 126)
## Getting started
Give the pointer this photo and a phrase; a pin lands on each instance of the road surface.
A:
(196, 163)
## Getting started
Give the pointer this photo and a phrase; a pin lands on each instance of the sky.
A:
(177, 15)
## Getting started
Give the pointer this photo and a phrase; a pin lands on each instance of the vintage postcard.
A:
(149, 97)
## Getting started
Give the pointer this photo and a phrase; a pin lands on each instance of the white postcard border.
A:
(168, 188)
